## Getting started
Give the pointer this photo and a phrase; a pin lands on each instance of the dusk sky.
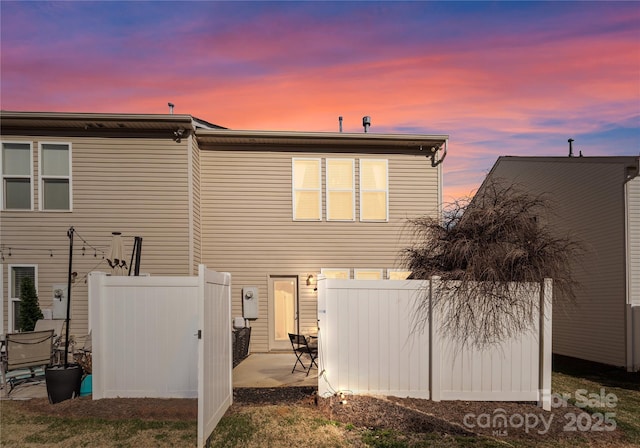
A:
(501, 78)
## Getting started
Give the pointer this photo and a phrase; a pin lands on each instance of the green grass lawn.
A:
(292, 426)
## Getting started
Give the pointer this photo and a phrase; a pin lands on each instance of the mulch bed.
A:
(405, 415)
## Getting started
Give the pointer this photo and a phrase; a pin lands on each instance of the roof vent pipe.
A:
(366, 122)
(570, 147)
(171, 105)
(340, 122)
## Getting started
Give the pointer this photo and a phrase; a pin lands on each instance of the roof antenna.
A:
(171, 105)
(340, 122)
(570, 147)
(366, 122)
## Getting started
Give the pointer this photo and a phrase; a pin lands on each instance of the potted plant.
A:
(63, 381)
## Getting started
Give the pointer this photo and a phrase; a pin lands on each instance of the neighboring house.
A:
(596, 200)
(275, 209)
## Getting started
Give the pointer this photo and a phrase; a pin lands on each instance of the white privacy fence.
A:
(369, 345)
(164, 337)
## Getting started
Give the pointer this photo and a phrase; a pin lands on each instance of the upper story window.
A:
(307, 190)
(55, 176)
(374, 190)
(17, 176)
(341, 201)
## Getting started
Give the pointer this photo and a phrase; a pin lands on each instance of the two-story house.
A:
(275, 209)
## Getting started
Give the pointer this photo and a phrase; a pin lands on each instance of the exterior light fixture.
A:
(311, 280)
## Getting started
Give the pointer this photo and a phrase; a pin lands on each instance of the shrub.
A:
(30, 310)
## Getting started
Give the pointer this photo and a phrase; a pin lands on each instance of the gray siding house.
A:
(597, 201)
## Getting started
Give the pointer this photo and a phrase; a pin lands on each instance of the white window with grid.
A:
(16, 166)
(374, 190)
(55, 176)
(16, 273)
(341, 196)
(307, 189)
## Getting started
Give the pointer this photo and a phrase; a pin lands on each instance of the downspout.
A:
(435, 162)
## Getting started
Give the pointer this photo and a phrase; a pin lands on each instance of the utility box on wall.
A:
(250, 302)
(59, 301)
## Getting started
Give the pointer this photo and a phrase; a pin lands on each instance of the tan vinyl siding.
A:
(589, 202)
(633, 237)
(137, 186)
(248, 227)
(197, 237)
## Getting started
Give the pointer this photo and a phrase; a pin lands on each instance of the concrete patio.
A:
(258, 370)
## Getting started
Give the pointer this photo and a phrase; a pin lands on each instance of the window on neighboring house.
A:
(341, 201)
(307, 190)
(374, 190)
(398, 274)
(368, 274)
(17, 176)
(16, 274)
(55, 176)
(341, 273)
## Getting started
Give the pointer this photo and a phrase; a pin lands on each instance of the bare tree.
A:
(488, 251)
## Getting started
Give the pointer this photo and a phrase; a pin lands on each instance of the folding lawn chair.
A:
(301, 347)
(25, 352)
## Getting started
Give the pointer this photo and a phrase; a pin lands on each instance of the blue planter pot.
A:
(86, 388)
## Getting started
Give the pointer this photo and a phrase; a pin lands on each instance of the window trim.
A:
(42, 178)
(358, 270)
(12, 300)
(323, 271)
(352, 190)
(363, 190)
(294, 189)
(3, 177)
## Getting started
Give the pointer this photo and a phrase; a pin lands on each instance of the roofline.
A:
(94, 116)
(549, 159)
(576, 159)
(193, 122)
(250, 136)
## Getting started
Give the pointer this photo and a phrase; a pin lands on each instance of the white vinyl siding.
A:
(374, 190)
(307, 189)
(340, 179)
(17, 176)
(368, 274)
(55, 176)
(341, 273)
(16, 273)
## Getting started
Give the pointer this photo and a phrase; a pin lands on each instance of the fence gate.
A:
(215, 388)
(164, 337)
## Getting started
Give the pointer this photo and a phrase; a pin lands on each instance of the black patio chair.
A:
(302, 347)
